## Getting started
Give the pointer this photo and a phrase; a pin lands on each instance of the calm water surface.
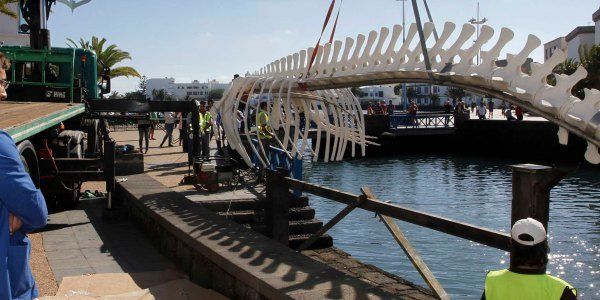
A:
(467, 189)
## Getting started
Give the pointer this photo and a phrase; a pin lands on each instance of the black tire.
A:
(30, 161)
(91, 128)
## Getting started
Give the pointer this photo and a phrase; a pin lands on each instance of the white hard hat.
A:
(528, 232)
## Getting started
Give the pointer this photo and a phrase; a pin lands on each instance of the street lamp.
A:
(403, 99)
(478, 22)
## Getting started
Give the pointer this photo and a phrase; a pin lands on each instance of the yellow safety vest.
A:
(206, 122)
(264, 130)
(504, 284)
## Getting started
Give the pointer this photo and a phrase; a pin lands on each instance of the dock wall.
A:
(229, 258)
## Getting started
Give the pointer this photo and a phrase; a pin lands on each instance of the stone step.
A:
(248, 204)
(302, 213)
(323, 241)
(296, 227)
(241, 216)
(234, 205)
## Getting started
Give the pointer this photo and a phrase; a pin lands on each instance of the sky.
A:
(201, 40)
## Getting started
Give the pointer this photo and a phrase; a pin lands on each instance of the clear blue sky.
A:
(200, 39)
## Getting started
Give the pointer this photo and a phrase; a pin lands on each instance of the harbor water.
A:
(467, 189)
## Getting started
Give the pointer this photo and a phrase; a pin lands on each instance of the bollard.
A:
(278, 206)
(531, 185)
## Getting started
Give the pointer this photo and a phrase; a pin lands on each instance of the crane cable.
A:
(327, 18)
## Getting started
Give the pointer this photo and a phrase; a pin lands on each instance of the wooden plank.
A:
(24, 119)
(412, 254)
(336, 219)
(485, 236)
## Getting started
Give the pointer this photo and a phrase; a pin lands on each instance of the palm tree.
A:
(108, 57)
(435, 99)
(455, 93)
(159, 95)
(411, 93)
(590, 60)
(4, 10)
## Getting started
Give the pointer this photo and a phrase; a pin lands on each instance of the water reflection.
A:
(466, 189)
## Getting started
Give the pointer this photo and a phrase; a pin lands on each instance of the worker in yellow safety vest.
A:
(265, 135)
(205, 129)
(526, 277)
(264, 128)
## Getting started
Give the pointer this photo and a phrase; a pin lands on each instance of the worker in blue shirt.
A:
(22, 209)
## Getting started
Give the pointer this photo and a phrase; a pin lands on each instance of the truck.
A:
(45, 112)
(57, 116)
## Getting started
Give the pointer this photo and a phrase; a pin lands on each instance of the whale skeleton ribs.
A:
(322, 96)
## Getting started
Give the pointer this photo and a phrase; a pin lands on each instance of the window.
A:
(381, 94)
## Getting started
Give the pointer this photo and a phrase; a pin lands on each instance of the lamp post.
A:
(403, 99)
(477, 22)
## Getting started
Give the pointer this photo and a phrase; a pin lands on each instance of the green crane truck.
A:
(48, 92)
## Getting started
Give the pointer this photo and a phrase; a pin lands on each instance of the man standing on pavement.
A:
(22, 209)
(169, 126)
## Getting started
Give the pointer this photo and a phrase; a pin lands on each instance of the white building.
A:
(380, 93)
(193, 90)
(9, 30)
(581, 36)
(553, 45)
(596, 19)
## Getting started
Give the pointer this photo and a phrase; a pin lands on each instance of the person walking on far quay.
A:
(481, 111)
(519, 113)
(526, 278)
(491, 108)
(22, 210)
(169, 126)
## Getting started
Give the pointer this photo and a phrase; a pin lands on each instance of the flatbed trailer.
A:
(23, 120)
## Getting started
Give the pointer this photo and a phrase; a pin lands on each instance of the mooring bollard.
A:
(531, 185)
(278, 206)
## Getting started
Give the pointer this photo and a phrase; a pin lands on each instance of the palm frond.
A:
(4, 10)
(124, 71)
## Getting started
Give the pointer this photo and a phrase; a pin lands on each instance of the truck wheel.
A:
(30, 162)
(91, 128)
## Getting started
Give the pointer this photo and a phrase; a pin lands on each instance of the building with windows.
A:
(195, 90)
(9, 30)
(596, 19)
(581, 36)
(553, 45)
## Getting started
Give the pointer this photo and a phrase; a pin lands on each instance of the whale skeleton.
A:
(321, 94)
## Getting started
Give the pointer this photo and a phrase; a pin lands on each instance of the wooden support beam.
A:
(412, 254)
(485, 236)
(531, 185)
(277, 209)
(336, 219)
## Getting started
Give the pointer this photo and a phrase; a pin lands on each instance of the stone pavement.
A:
(77, 242)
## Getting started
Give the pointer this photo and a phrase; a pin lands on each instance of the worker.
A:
(205, 129)
(22, 209)
(526, 277)
(265, 135)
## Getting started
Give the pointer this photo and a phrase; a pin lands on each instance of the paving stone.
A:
(64, 254)
(59, 274)
(58, 264)
(50, 245)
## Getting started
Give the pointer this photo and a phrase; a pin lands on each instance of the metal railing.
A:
(531, 190)
(422, 121)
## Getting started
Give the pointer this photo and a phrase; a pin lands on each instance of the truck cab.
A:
(54, 75)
